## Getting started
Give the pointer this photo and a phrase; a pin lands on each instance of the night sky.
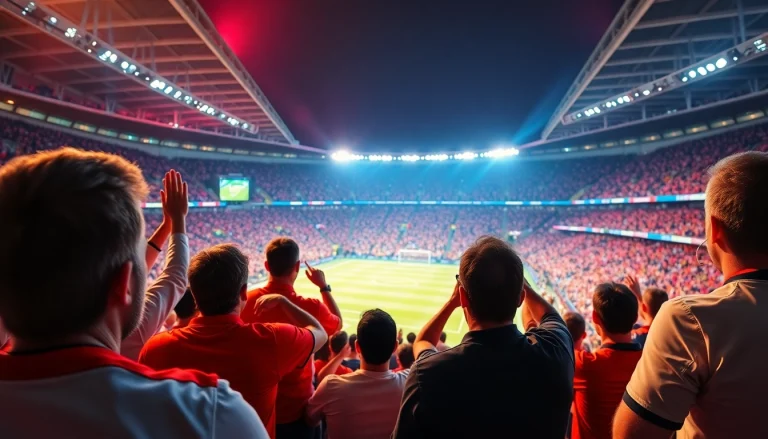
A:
(413, 75)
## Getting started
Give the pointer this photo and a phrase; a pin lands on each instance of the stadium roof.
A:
(651, 39)
(173, 38)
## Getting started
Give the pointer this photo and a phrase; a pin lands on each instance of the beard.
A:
(138, 287)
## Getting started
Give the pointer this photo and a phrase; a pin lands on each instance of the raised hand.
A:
(316, 276)
(175, 200)
(633, 284)
(455, 300)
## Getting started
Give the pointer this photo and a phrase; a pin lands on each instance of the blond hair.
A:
(736, 195)
(70, 220)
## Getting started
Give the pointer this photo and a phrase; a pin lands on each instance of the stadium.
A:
(612, 186)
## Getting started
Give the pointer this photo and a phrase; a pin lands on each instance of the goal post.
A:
(412, 255)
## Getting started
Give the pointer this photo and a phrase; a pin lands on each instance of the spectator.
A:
(472, 382)
(601, 376)
(295, 389)
(650, 302)
(339, 349)
(577, 327)
(185, 309)
(166, 291)
(411, 337)
(703, 363)
(67, 326)
(363, 404)
(252, 357)
(405, 358)
(352, 360)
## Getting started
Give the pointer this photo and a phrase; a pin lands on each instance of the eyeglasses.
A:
(457, 278)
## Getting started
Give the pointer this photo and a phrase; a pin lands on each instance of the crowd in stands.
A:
(88, 342)
(676, 220)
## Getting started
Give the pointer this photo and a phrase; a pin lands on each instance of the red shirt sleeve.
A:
(323, 315)
(343, 370)
(293, 346)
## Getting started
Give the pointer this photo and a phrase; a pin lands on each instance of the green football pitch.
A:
(410, 292)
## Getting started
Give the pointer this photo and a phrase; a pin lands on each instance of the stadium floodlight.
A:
(53, 20)
(468, 155)
(124, 65)
(113, 58)
(380, 158)
(178, 94)
(345, 156)
(435, 157)
(710, 67)
(720, 63)
(409, 158)
(692, 74)
(501, 152)
(168, 90)
(646, 92)
(684, 79)
(702, 71)
(71, 33)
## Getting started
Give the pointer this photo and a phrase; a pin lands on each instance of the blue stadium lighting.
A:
(692, 74)
(345, 156)
(710, 67)
(684, 79)
(124, 65)
(409, 158)
(168, 90)
(435, 157)
(468, 155)
(646, 92)
(113, 58)
(597, 110)
(501, 153)
(177, 94)
(702, 71)
(720, 63)
(104, 56)
(380, 158)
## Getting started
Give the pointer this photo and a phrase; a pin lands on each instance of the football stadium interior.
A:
(614, 185)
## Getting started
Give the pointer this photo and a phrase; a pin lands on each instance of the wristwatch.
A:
(326, 289)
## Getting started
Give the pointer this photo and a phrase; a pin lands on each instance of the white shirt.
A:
(92, 392)
(162, 296)
(703, 369)
(359, 405)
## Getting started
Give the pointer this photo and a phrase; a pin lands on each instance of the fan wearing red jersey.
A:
(77, 216)
(602, 376)
(283, 265)
(252, 357)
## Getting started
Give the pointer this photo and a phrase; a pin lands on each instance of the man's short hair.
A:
(186, 306)
(282, 256)
(338, 341)
(376, 335)
(653, 298)
(736, 194)
(576, 325)
(217, 275)
(411, 337)
(70, 220)
(616, 306)
(352, 340)
(492, 275)
(443, 336)
(405, 355)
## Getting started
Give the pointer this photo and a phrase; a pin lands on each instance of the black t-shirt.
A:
(496, 383)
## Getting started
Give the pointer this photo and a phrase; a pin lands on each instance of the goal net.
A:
(411, 255)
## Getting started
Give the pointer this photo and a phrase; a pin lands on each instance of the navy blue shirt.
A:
(496, 383)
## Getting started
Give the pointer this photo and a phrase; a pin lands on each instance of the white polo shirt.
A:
(703, 369)
(359, 405)
(93, 392)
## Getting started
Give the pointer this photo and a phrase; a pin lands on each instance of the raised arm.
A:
(317, 277)
(430, 333)
(297, 316)
(156, 241)
(333, 364)
(169, 287)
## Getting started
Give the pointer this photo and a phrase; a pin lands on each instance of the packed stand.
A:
(675, 220)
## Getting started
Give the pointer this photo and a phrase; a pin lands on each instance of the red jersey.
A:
(599, 384)
(341, 370)
(296, 388)
(252, 357)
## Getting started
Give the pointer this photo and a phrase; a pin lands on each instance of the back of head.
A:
(405, 355)
(282, 255)
(576, 325)
(186, 306)
(411, 337)
(217, 278)
(653, 298)
(443, 336)
(70, 220)
(616, 308)
(376, 336)
(352, 340)
(736, 194)
(338, 341)
(492, 275)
